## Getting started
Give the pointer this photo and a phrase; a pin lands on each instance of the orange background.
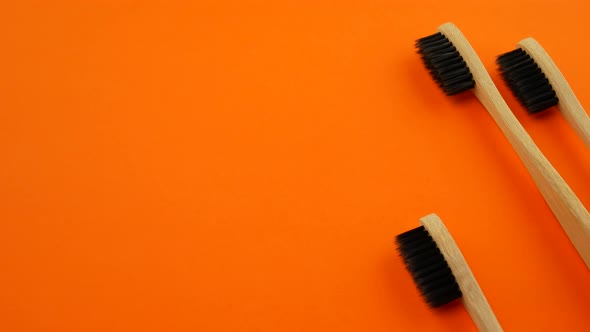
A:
(245, 166)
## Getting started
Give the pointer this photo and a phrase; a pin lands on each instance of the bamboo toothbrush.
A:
(538, 84)
(455, 66)
(441, 273)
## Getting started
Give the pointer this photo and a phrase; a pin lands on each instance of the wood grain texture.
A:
(473, 298)
(568, 104)
(572, 215)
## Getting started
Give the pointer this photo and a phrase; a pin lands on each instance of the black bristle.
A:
(526, 80)
(445, 64)
(428, 267)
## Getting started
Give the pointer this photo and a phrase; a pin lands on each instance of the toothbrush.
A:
(537, 83)
(441, 272)
(455, 66)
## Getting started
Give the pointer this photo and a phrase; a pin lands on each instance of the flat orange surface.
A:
(245, 166)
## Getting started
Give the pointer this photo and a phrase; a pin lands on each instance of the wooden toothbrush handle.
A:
(474, 300)
(572, 215)
(568, 104)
